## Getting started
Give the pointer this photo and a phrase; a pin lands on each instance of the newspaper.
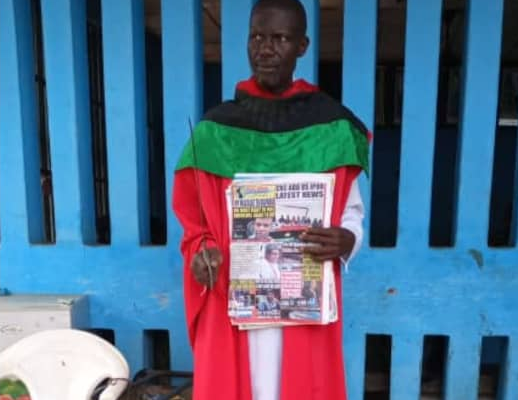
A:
(272, 283)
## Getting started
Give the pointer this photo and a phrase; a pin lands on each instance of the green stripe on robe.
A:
(224, 150)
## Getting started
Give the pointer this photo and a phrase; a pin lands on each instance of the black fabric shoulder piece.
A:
(281, 115)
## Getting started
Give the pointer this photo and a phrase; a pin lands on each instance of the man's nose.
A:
(266, 47)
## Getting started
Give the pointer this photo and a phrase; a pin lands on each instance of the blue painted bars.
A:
(182, 58)
(462, 366)
(21, 213)
(481, 72)
(405, 371)
(307, 66)
(359, 74)
(509, 383)
(66, 67)
(126, 131)
(423, 31)
(234, 39)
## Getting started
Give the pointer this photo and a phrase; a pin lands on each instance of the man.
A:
(270, 303)
(311, 292)
(261, 229)
(273, 125)
(268, 268)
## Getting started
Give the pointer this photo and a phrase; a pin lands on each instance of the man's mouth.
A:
(266, 68)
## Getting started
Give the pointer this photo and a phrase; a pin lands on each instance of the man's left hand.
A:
(328, 243)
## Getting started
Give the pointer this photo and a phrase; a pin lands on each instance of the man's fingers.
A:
(323, 257)
(328, 243)
(320, 239)
(324, 251)
(201, 262)
(199, 265)
(202, 276)
(215, 257)
(323, 231)
(315, 250)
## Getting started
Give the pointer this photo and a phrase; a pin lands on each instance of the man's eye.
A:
(257, 37)
(281, 38)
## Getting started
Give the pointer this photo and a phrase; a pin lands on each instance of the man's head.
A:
(277, 38)
(272, 253)
(262, 228)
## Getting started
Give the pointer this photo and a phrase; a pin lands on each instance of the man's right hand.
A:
(199, 267)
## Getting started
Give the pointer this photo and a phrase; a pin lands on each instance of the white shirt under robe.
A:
(265, 345)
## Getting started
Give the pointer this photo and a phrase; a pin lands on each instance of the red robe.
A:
(312, 358)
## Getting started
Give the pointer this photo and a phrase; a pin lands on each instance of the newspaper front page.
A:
(272, 283)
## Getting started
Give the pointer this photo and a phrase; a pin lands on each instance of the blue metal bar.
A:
(509, 386)
(234, 38)
(359, 74)
(181, 355)
(423, 31)
(478, 125)
(64, 34)
(462, 366)
(183, 99)
(21, 213)
(126, 132)
(307, 66)
(405, 371)
(131, 343)
(354, 351)
(182, 82)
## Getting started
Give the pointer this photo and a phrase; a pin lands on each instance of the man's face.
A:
(275, 42)
(262, 227)
(273, 256)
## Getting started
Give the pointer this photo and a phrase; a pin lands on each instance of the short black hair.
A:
(294, 6)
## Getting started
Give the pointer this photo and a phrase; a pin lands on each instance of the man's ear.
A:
(303, 46)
